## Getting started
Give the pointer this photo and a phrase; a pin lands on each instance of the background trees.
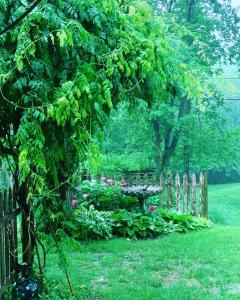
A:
(193, 134)
(207, 36)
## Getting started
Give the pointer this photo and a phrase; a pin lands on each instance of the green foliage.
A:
(185, 222)
(169, 134)
(131, 140)
(106, 197)
(89, 223)
(138, 225)
(201, 19)
(65, 67)
(113, 199)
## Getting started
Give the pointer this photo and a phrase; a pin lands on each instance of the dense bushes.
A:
(89, 223)
(105, 195)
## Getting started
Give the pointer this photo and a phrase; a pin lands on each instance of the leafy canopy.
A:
(66, 66)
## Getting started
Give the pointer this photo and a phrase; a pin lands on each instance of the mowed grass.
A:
(196, 265)
(224, 204)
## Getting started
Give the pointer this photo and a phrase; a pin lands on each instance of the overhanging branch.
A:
(23, 16)
(6, 151)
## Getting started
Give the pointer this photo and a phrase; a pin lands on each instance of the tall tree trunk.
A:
(186, 147)
(186, 160)
(156, 126)
(170, 6)
(191, 5)
(171, 138)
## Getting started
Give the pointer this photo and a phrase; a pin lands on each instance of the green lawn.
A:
(197, 265)
(224, 204)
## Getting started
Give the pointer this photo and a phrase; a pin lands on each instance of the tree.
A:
(210, 32)
(62, 70)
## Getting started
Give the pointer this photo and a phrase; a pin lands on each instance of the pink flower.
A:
(85, 196)
(103, 178)
(124, 184)
(152, 208)
(110, 182)
(74, 202)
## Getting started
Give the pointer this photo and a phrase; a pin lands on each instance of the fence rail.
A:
(8, 238)
(184, 194)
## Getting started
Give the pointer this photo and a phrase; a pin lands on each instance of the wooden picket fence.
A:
(182, 194)
(8, 238)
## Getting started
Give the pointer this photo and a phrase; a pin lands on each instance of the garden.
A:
(102, 211)
(119, 149)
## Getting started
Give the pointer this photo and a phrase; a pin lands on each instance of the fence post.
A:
(154, 179)
(146, 179)
(169, 190)
(129, 180)
(163, 189)
(178, 188)
(15, 231)
(194, 201)
(10, 233)
(138, 179)
(2, 277)
(204, 193)
(8, 239)
(185, 187)
(7, 249)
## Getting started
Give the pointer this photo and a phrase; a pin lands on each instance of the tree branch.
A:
(23, 16)
(6, 151)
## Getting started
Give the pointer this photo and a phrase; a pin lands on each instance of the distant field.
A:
(194, 266)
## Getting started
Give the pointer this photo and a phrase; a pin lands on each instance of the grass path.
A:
(199, 265)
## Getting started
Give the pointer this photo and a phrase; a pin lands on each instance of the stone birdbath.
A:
(142, 192)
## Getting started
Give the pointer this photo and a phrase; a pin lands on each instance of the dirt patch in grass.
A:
(178, 275)
(101, 280)
(234, 288)
(171, 279)
(212, 279)
(214, 290)
(192, 282)
(176, 278)
(129, 261)
(201, 266)
(133, 256)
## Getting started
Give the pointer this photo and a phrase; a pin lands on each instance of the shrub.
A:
(137, 225)
(89, 223)
(113, 199)
(106, 195)
(185, 221)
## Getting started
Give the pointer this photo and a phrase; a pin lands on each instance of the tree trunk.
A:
(186, 147)
(156, 126)
(172, 138)
(191, 5)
